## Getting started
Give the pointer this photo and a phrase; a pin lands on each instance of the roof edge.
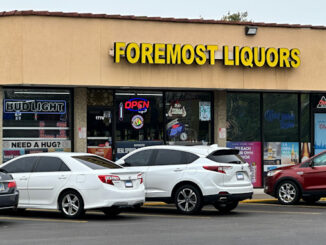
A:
(146, 18)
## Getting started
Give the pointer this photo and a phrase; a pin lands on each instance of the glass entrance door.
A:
(320, 132)
(99, 131)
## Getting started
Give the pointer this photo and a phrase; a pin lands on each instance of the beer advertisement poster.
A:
(289, 153)
(251, 153)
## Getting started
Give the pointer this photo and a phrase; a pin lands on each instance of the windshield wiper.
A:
(236, 162)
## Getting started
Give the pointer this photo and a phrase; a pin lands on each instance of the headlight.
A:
(273, 172)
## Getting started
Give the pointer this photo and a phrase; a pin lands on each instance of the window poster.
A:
(204, 110)
(280, 154)
(320, 132)
(251, 153)
(103, 151)
(289, 153)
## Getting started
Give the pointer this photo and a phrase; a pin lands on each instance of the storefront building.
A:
(110, 84)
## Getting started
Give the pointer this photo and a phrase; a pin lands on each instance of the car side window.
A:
(138, 159)
(50, 164)
(21, 165)
(190, 157)
(170, 157)
(320, 160)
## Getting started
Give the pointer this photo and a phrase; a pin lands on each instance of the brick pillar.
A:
(219, 116)
(80, 118)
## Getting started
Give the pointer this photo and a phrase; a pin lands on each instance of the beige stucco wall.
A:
(45, 50)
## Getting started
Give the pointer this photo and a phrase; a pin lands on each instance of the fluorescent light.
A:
(150, 94)
(125, 94)
(30, 92)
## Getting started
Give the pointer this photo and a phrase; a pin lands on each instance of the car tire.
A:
(288, 193)
(112, 211)
(311, 199)
(226, 207)
(71, 204)
(188, 199)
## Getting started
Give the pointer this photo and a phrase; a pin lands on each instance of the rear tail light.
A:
(140, 177)
(12, 184)
(108, 179)
(219, 169)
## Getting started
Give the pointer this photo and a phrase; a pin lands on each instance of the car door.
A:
(314, 174)
(49, 176)
(20, 169)
(166, 170)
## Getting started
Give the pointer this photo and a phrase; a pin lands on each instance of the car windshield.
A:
(226, 156)
(95, 162)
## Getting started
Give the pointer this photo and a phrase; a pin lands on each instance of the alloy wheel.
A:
(287, 193)
(70, 204)
(187, 200)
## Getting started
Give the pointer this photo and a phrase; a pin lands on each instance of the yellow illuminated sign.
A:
(175, 54)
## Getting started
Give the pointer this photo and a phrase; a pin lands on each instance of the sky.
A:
(312, 12)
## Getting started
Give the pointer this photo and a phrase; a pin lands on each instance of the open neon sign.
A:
(136, 104)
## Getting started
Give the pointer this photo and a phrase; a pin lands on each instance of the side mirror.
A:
(311, 163)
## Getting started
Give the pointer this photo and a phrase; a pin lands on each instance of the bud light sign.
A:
(137, 104)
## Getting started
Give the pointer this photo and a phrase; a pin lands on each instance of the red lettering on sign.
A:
(136, 104)
(146, 104)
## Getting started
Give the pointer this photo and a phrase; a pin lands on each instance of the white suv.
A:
(192, 176)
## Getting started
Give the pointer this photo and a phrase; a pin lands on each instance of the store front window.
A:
(318, 106)
(188, 118)
(100, 122)
(139, 120)
(280, 130)
(244, 131)
(36, 120)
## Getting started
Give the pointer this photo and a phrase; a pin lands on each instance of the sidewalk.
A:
(259, 194)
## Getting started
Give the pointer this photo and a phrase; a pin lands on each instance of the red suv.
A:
(305, 180)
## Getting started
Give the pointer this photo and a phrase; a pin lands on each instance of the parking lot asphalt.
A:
(251, 223)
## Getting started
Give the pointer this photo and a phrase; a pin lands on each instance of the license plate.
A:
(240, 176)
(128, 184)
(2, 187)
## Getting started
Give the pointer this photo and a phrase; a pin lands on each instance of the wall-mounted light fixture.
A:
(251, 30)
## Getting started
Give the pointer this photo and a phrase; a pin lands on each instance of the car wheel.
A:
(310, 199)
(71, 204)
(112, 211)
(226, 207)
(188, 199)
(288, 193)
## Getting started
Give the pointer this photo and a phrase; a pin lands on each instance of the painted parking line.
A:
(276, 212)
(258, 200)
(284, 206)
(42, 220)
(180, 216)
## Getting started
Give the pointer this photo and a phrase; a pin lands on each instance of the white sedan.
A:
(74, 182)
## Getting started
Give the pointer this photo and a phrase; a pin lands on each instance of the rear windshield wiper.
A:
(236, 162)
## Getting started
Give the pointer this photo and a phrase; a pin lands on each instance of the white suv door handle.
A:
(62, 177)
(23, 178)
(178, 170)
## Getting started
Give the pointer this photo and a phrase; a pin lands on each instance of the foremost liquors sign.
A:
(35, 106)
(187, 54)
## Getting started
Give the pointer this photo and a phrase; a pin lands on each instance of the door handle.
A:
(178, 170)
(62, 177)
(23, 178)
